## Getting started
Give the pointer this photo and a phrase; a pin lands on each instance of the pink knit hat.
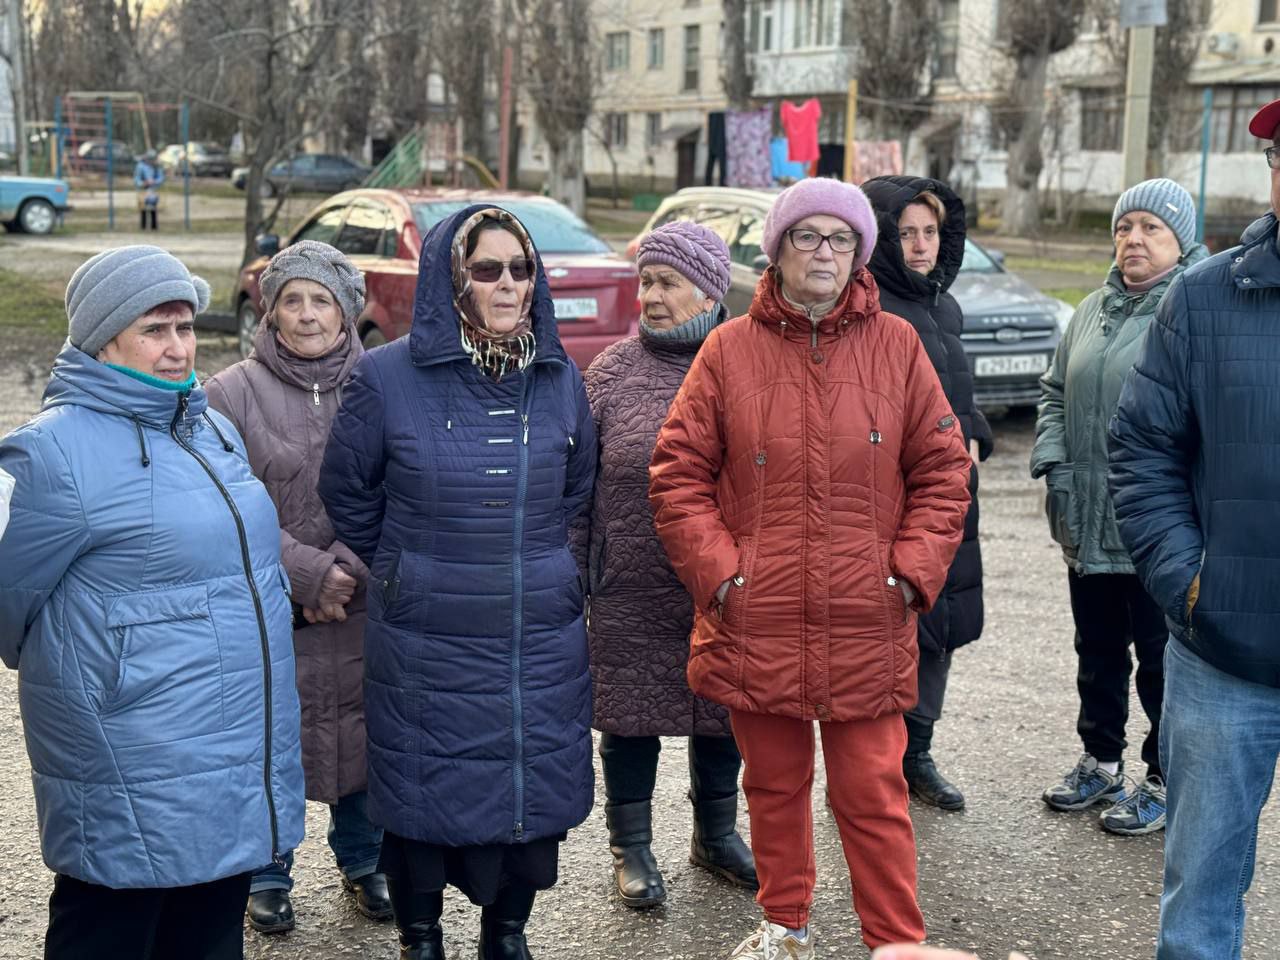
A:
(696, 252)
(816, 196)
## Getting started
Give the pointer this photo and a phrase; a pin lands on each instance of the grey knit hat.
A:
(114, 288)
(1168, 201)
(313, 260)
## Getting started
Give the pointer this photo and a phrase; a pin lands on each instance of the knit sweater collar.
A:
(686, 337)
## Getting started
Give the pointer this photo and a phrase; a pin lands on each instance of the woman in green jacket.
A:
(1154, 231)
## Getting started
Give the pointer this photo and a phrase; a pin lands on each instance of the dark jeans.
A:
(355, 843)
(932, 676)
(630, 767)
(202, 922)
(1111, 612)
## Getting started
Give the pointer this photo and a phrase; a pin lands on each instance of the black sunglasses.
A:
(490, 271)
(1273, 157)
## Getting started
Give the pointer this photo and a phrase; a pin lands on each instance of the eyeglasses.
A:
(1273, 157)
(490, 271)
(806, 241)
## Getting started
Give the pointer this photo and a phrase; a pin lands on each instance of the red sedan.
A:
(594, 289)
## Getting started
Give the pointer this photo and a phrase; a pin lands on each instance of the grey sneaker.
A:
(1140, 812)
(772, 942)
(1086, 785)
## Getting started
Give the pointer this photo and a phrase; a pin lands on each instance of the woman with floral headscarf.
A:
(457, 459)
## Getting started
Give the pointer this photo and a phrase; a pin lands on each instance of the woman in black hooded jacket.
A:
(921, 246)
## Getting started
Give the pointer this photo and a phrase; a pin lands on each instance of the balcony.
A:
(797, 73)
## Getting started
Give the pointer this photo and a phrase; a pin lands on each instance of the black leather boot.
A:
(502, 924)
(717, 845)
(927, 784)
(270, 911)
(639, 880)
(371, 896)
(417, 921)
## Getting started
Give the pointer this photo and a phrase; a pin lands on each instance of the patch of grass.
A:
(28, 304)
(606, 225)
(221, 283)
(1072, 295)
(81, 224)
(1090, 268)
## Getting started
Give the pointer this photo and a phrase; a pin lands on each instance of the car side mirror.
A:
(760, 264)
(267, 244)
(997, 256)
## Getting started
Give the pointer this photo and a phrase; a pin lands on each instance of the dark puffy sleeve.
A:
(1154, 442)
(354, 463)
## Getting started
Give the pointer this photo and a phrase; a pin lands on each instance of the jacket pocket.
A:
(389, 585)
(1061, 506)
(1111, 541)
(734, 609)
(171, 676)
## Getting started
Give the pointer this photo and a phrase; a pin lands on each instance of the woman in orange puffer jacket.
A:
(810, 488)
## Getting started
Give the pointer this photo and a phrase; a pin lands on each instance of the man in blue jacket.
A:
(1194, 455)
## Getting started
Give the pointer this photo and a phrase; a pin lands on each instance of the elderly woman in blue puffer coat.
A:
(144, 607)
(458, 457)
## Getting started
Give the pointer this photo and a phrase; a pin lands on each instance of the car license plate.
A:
(576, 308)
(1011, 365)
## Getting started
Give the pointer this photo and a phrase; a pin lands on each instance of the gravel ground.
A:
(1006, 873)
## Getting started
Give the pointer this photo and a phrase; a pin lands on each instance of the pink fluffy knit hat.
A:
(816, 196)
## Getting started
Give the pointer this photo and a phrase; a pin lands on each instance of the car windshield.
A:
(553, 228)
(977, 260)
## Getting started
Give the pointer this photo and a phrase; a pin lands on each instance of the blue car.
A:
(33, 204)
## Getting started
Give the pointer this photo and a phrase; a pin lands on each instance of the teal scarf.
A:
(174, 386)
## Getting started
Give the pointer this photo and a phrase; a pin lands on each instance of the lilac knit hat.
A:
(692, 249)
(816, 196)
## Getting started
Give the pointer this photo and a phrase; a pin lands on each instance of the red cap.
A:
(1264, 122)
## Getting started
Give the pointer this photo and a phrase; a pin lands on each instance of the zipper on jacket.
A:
(517, 607)
(315, 393)
(180, 416)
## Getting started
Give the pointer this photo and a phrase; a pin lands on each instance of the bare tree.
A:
(462, 45)
(896, 49)
(562, 64)
(1036, 29)
(735, 76)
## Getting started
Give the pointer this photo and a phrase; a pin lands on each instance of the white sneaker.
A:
(772, 942)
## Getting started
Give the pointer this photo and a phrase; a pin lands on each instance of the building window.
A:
(815, 23)
(760, 28)
(657, 48)
(617, 51)
(692, 54)
(615, 129)
(652, 129)
(1267, 12)
(1232, 109)
(1101, 119)
(948, 39)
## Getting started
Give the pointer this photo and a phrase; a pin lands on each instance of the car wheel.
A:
(37, 216)
(373, 337)
(246, 325)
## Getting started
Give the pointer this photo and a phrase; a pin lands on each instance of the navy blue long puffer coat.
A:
(457, 491)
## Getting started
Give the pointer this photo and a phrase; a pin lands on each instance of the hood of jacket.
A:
(327, 372)
(78, 379)
(890, 196)
(436, 335)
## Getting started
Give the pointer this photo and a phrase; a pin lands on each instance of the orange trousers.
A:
(869, 799)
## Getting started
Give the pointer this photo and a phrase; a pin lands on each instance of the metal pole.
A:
(1137, 105)
(1206, 135)
(184, 139)
(59, 137)
(504, 135)
(850, 121)
(111, 155)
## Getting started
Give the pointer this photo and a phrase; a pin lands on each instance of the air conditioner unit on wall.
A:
(1223, 44)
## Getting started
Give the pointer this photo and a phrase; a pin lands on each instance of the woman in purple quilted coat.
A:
(641, 615)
